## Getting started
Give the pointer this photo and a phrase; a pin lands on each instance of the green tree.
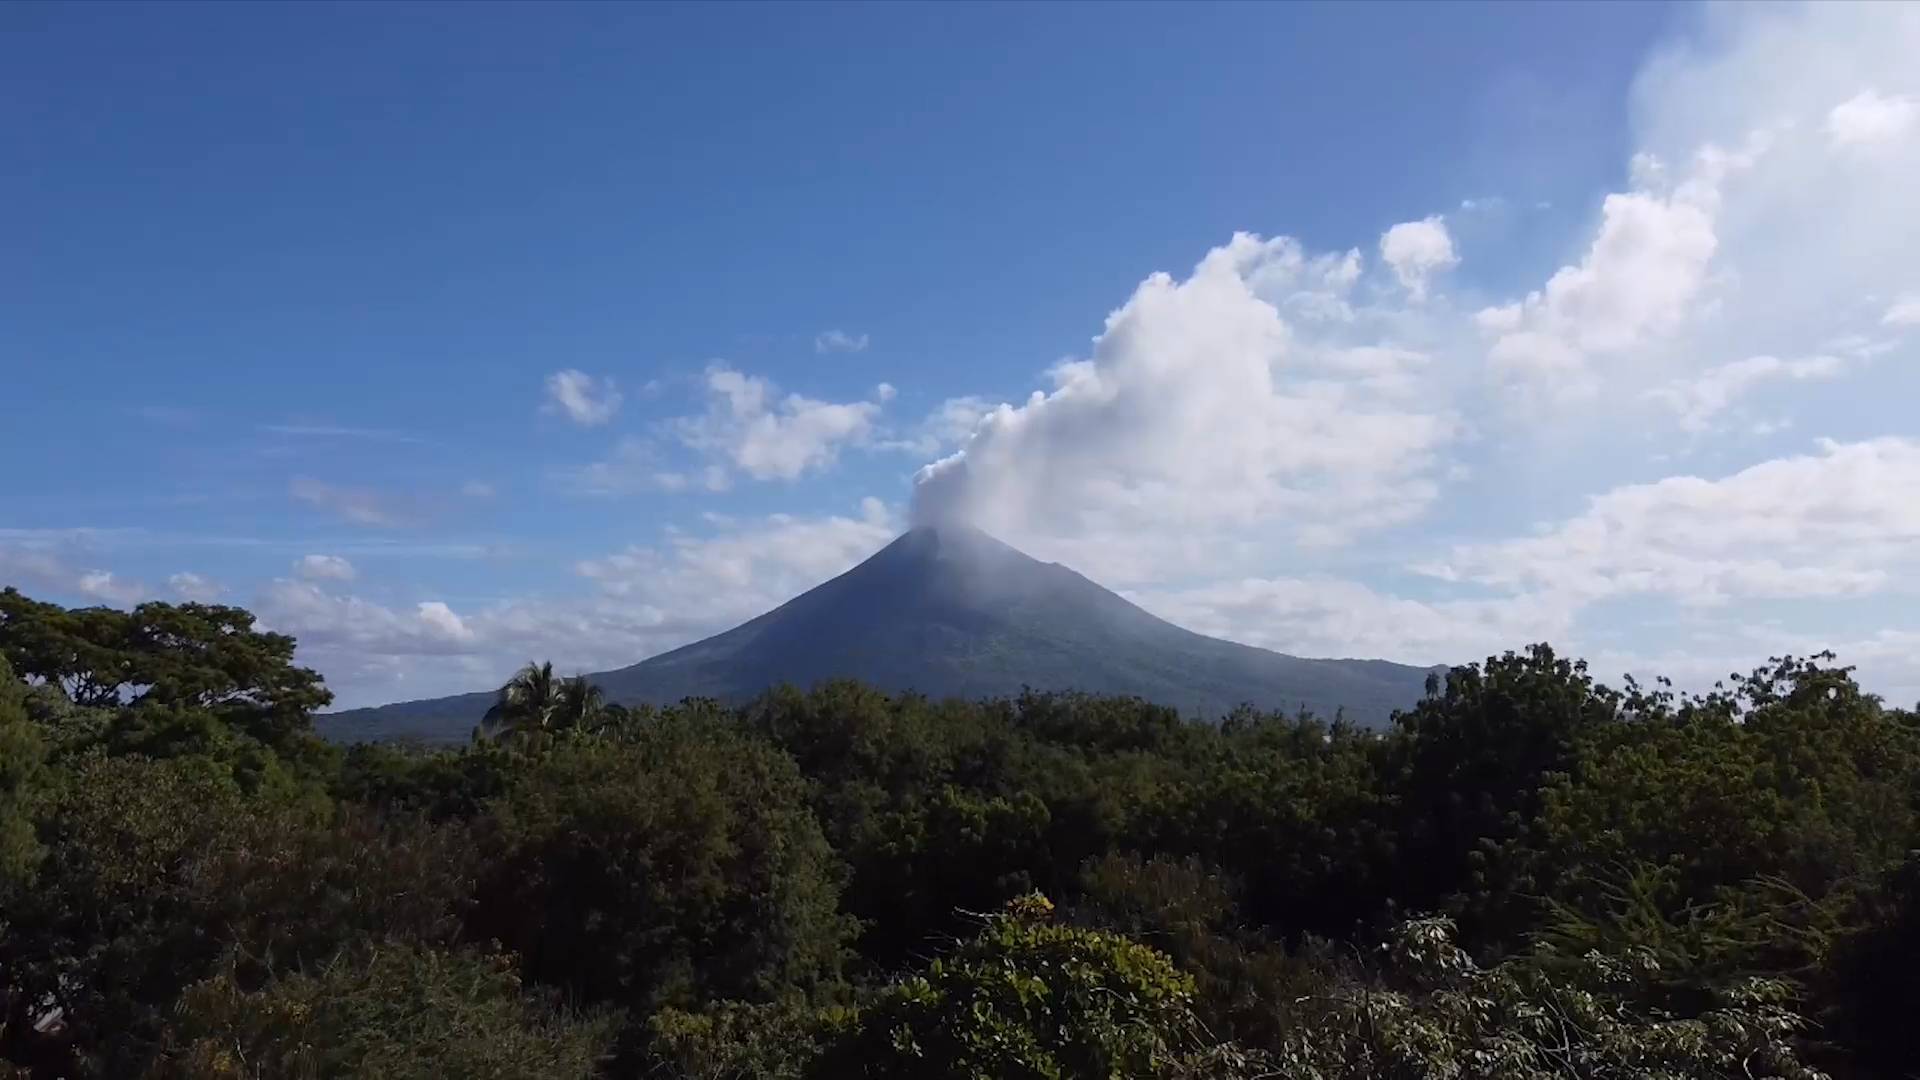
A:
(676, 867)
(205, 657)
(1243, 980)
(1469, 776)
(400, 1012)
(22, 776)
(1432, 1011)
(534, 702)
(1027, 999)
(155, 869)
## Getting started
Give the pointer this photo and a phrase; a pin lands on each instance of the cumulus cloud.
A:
(326, 622)
(1698, 400)
(1904, 312)
(1639, 278)
(63, 563)
(1835, 523)
(1416, 250)
(747, 567)
(324, 568)
(582, 398)
(442, 622)
(642, 600)
(1187, 415)
(191, 586)
(104, 586)
(839, 341)
(1870, 118)
(770, 436)
(1330, 617)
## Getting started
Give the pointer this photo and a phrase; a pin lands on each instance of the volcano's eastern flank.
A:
(949, 611)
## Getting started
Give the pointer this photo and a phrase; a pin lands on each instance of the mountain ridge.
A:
(949, 611)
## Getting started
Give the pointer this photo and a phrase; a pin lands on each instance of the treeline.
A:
(1531, 875)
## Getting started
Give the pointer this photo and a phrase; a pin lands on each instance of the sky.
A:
(447, 337)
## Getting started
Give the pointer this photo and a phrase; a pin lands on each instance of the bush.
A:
(674, 869)
(1027, 999)
(400, 1013)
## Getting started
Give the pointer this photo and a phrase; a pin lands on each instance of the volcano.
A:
(953, 612)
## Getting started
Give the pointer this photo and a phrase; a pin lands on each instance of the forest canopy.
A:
(1529, 874)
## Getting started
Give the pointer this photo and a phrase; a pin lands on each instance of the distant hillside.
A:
(952, 612)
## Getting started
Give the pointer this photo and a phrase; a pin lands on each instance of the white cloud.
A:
(1904, 312)
(1500, 320)
(324, 568)
(582, 398)
(1698, 400)
(1639, 279)
(103, 585)
(645, 599)
(884, 392)
(1416, 250)
(55, 564)
(1189, 414)
(361, 506)
(477, 489)
(330, 623)
(750, 425)
(441, 621)
(1869, 118)
(1336, 618)
(746, 568)
(1842, 522)
(945, 428)
(839, 341)
(191, 586)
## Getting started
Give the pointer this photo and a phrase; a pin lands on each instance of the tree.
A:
(533, 701)
(581, 705)
(206, 657)
(155, 869)
(22, 775)
(401, 1012)
(676, 867)
(1469, 779)
(1027, 1000)
(1432, 1011)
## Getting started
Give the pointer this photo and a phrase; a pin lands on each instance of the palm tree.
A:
(580, 706)
(534, 701)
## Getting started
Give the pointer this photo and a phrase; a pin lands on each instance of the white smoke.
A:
(1198, 405)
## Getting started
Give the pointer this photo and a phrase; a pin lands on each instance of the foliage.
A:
(673, 868)
(733, 1040)
(1245, 984)
(22, 775)
(402, 1012)
(1433, 1012)
(533, 704)
(1027, 999)
(155, 868)
(1572, 880)
(205, 657)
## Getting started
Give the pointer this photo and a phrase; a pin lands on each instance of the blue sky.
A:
(445, 337)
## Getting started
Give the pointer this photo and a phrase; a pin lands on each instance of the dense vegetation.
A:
(1530, 875)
